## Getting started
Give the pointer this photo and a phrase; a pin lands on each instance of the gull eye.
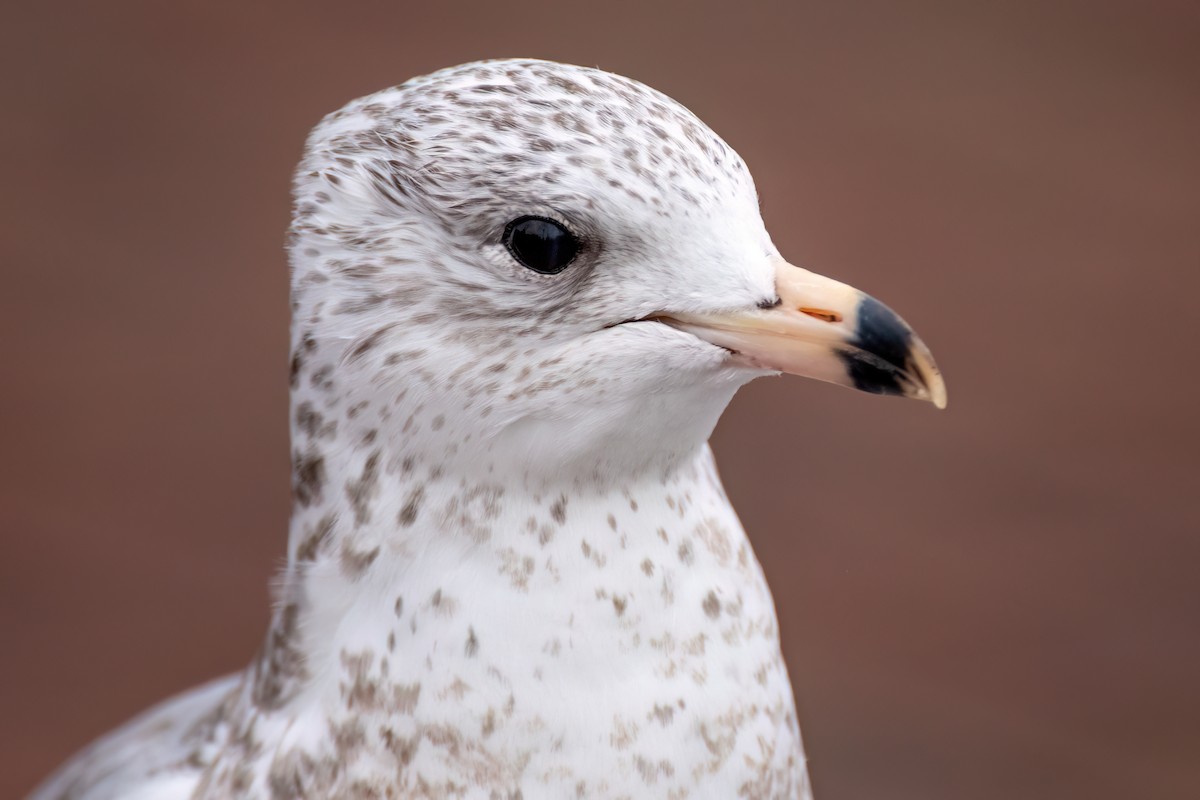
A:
(540, 244)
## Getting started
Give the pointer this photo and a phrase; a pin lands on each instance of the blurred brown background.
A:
(996, 601)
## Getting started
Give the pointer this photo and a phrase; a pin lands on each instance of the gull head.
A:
(526, 266)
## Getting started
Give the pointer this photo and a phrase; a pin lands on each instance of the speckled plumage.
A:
(512, 570)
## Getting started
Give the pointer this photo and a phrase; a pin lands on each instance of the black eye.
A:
(540, 244)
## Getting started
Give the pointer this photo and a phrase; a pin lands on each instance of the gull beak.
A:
(824, 329)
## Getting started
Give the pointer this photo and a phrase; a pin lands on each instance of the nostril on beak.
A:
(767, 305)
(822, 314)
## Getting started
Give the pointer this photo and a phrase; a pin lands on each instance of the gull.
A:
(522, 294)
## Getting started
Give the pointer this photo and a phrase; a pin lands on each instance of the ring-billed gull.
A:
(522, 294)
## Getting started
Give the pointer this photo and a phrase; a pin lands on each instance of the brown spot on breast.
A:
(321, 378)
(279, 669)
(443, 605)
(458, 689)
(664, 715)
(297, 364)
(472, 643)
(519, 569)
(347, 737)
(355, 562)
(401, 747)
(308, 419)
(362, 490)
(716, 540)
(489, 723)
(308, 477)
(651, 772)
(558, 510)
(369, 342)
(412, 506)
(368, 691)
(711, 605)
(315, 537)
(405, 697)
(624, 733)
